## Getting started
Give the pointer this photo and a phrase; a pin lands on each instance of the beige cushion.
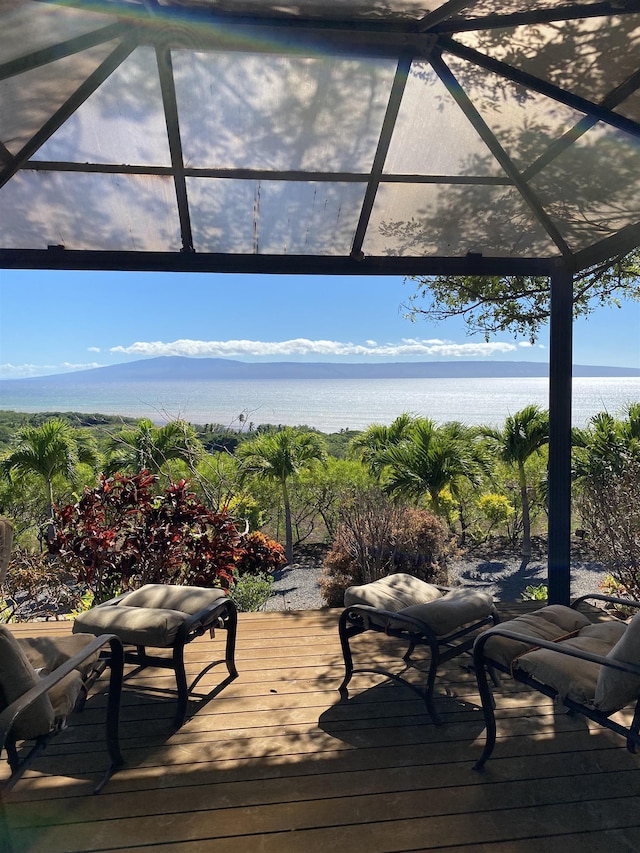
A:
(17, 676)
(570, 676)
(459, 607)
(187, 599)
(138, 626)
(50, 652)
(616, 689)
(149, 616)
(392, 592)
(64, 695)
(549, 623)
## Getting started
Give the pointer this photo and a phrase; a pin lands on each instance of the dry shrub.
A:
(37, 587)
(609, 506)
(375, 538)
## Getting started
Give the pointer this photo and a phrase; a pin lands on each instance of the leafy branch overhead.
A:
(519, 304)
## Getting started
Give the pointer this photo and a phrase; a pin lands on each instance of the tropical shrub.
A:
(250, 592)
(122, 534)
(258, 554)
(377, 537)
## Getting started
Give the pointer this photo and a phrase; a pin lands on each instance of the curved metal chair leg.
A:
(346, 654)
(181, 684)
(231, 625)
(431, 683)
(486, 698)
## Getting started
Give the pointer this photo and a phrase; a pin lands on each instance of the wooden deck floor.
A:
(275, 763)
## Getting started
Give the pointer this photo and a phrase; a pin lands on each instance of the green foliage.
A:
(152, 448)
(519, 304)
(250, 592)
(534, 592)
(377, 537)
(52, 450)
(522, 436)
(279, 456)
(497, 509)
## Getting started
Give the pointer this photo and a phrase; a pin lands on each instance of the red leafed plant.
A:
(123, 534)
(258, 554)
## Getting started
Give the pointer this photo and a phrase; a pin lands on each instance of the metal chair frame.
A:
(359, 618)
(484, 666)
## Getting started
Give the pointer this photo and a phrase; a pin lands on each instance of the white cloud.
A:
(304, 346)
(93, 349)
(25, 371)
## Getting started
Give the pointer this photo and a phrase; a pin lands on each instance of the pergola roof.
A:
(393, 136)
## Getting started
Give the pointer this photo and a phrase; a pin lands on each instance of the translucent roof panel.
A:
(586, 211)
(31, 26)
(106, 128)
(432, 136)
(30, 99)
(279, 112)
(340, 135)
(274, 217)
(603, 51)
(452, 220)
(524, 122)
(89, 211)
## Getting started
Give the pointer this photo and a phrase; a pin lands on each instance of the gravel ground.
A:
(503, 574)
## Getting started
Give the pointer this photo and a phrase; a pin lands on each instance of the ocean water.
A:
(327, 405)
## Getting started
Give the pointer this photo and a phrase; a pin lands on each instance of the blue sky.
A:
(54, 322)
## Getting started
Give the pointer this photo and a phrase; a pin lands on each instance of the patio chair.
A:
(419, 613)
(164, 616)
(588, 668)
(44, 679)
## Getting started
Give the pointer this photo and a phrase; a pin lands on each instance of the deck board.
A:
(276, 762)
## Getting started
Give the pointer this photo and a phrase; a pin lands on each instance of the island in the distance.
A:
(183, 368)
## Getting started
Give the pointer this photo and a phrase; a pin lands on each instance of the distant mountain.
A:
(180, 368)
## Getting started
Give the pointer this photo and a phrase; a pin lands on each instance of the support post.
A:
(560, 375)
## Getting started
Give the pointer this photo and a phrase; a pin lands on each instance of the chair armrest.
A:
(611, 599)
(12, 711)
(557, 647)
(202, 619)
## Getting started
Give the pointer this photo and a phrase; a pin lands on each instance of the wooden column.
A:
(560, 374)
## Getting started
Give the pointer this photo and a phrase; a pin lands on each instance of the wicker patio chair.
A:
(445, 620)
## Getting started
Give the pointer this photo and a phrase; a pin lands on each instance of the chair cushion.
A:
(392, 592)
(187, 599)
(49, 653)
(549, 623)
(17, 676)
(570, 677)
(138, 626)
(616, 689)
(459, 607)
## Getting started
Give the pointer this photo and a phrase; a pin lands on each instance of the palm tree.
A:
(522, 435)
(148, 447)
(606, 445)
(376, 438)
(54, 448)
(432, 458)
(280, 456)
